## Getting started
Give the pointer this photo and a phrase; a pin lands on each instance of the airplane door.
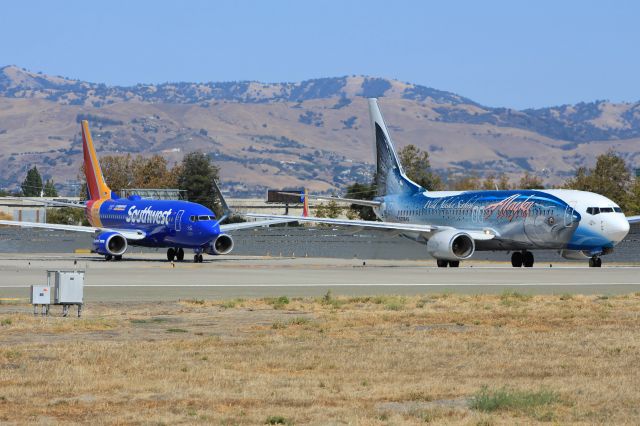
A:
(179, 220)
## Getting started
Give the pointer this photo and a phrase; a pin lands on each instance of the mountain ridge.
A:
(323, 123)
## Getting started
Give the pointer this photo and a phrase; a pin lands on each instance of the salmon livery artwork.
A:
(454, 224)
(120, 222)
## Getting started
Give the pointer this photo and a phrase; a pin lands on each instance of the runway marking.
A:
(354, 285)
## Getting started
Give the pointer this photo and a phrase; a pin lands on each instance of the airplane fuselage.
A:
(519, 219)
(166, 223)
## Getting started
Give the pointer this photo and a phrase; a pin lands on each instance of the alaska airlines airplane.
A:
(120, 222)
(454, 224)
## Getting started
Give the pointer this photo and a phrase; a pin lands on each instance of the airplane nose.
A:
(617, 228)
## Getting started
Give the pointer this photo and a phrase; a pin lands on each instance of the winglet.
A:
(226, 210)
(96, 185)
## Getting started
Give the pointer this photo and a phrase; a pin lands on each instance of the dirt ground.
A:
(446, 359)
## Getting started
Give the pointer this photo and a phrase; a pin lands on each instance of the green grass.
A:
(279, 302)
(505, 399)
(176, 330)
(276, 420)
(149, 321)
(6, 321)
(229, 304)
(511, 297)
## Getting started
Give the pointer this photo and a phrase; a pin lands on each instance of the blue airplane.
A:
(455, 224)
(120, 222)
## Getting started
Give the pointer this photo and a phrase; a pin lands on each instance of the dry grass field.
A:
(445, 359)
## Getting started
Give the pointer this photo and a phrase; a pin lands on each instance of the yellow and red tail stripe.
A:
(98, 189)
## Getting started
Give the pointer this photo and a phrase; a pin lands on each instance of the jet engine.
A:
(451, 244)
(110, 243)
(223, 244)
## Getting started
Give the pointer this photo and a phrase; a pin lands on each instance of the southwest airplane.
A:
(120, 222)
(454, 224)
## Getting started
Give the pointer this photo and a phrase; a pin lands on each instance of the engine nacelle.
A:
(223, 244)
(451, 244)
(110, 243)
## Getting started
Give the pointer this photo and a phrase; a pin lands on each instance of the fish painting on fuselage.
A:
(120, 222)
(454, 224)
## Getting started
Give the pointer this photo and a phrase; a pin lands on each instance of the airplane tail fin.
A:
(96, 186)
(390, 177)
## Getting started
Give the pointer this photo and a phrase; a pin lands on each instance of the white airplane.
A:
(454, 224)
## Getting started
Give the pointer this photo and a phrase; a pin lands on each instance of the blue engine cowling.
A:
(110, 243)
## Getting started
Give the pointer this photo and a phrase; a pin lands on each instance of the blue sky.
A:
(500, 53)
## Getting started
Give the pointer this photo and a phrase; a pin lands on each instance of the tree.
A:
(633, 199)
(50, 189)
(529, 181)
(610, 177)
(466, 183)
(416, 165)
(361, 191)
(66, 216)
(196, 177)
(32, 184)
(329, 210)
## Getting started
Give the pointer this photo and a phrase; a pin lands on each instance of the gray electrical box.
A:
(40, 295)
(68, 286)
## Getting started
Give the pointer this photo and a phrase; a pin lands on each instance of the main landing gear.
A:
(175, 253)
(197, 258)
(523, 258)
(595, 262)
(442, 263)
(108, 257)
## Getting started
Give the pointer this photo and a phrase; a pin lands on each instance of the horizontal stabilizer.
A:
(369, 203)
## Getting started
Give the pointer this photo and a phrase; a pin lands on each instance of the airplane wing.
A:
(633, 219)
(370, 203)
(257, 224)
(50, 202)
(407, 227)
(129, 234)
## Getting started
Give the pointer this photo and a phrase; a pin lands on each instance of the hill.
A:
(313, 133)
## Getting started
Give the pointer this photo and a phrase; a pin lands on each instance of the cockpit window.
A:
(598, 210)
(193, 218)
(205, 217)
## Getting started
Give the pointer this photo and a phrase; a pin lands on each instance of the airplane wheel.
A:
(108, 257)
(527, 259)
(454, 263)
(516, 259)
(171, 253)
(595, 262)
(180, 255)
(200, 258)
(442, 263)
(599, 263)
(197, 258)
(118, 257)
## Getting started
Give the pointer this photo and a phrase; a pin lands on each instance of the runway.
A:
(148, 277)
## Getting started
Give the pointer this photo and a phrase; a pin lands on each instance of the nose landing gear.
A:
(595, 262)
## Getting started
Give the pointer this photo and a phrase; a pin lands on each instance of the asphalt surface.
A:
(148, 277)
(326, 242)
